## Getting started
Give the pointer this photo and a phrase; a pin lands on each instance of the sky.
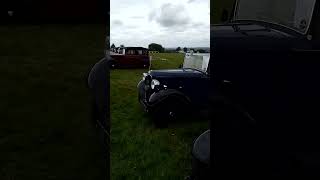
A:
(179, 23)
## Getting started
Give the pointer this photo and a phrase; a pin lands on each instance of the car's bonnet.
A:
(176, 73)
(251, 35)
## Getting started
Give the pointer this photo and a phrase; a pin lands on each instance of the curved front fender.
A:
(166, 94)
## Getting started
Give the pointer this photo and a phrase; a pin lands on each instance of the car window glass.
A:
(197, 61)
(131, 52)
(296, 15)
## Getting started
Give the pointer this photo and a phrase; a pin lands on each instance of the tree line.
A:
(161, 49)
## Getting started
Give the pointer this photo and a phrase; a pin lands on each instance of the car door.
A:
(253, 79)
(131, 58)
(196, 88)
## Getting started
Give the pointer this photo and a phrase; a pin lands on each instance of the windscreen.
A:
(294, 14)
(197, 61)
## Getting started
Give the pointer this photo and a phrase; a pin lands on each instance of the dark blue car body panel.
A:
(273, 74)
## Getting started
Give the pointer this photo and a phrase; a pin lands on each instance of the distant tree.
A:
(113, 46)
(201, 51)
(122, 46)
(185, 49)
(178, 49)
(170, 51)
(156, 47)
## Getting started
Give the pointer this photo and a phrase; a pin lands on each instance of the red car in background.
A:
(130, 57)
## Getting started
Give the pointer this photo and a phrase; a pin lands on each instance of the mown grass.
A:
(45, 130)
(138, 149)
(166, 60)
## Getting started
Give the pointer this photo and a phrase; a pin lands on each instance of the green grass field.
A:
(138, 149)
(45, 131)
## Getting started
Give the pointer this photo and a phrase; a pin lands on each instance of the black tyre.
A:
(160, 117)
(141, 91)
(168, 111)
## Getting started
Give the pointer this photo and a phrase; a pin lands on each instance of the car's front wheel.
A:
(169, 111)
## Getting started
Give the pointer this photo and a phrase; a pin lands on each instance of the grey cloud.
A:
(198, 24)
(166, 24)
(176, 29)
(132, 27)
(137, 17)
(198, 1)
(117, 23)
(171, 15)
(152, 15)
(190, 27)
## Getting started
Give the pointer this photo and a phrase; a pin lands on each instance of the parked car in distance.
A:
(130, 57)
(166, 94)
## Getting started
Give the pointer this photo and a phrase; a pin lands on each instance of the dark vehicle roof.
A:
(136, 48)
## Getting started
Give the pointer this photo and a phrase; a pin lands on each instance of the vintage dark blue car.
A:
(166, 94)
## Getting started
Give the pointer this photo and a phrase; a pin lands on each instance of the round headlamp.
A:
(154, 83)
